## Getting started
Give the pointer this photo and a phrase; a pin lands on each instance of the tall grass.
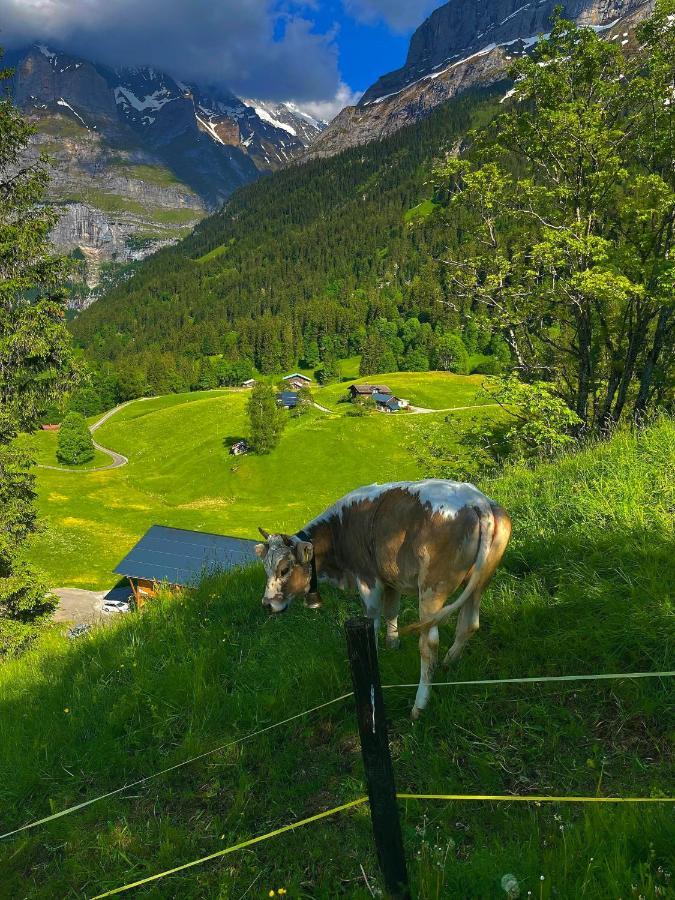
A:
(586, 587)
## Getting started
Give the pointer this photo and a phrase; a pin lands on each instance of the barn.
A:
(360, 391)
(179, 558)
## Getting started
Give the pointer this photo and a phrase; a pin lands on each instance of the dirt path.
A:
(422, 410)
(118, 460)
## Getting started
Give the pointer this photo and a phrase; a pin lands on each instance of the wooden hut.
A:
(177, 558)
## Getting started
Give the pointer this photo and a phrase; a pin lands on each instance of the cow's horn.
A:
(264, 533)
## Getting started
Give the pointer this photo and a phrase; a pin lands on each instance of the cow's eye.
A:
(284, 570)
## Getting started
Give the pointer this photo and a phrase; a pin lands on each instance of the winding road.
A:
(118, 460)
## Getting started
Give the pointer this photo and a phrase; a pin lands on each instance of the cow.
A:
(427, 537)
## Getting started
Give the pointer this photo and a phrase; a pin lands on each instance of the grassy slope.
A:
(180, 473)
(585, 587)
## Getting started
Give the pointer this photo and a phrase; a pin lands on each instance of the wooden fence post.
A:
(362, 652)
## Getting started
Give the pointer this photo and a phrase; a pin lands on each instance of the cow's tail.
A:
(486, 522)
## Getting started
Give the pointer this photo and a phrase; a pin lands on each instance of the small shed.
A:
(287, 399)
(297, 381)
(367, 390)
(249, 383)
(180, 558)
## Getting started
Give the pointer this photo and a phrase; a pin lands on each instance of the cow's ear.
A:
(261, 550)
(264, 533)
(304, 551)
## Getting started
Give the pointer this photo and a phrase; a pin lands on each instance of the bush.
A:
(75, 444)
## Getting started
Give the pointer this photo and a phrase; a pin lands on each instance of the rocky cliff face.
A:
(140, 157)
(463, 45)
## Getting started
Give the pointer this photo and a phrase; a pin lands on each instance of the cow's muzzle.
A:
(277, 604)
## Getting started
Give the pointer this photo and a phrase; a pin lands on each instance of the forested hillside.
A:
(536, 235)
(296, 265)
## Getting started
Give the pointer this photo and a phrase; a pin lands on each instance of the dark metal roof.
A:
(184, 557)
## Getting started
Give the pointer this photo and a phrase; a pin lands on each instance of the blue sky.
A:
(319, 53)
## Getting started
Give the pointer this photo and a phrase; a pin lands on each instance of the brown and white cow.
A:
(428, 537)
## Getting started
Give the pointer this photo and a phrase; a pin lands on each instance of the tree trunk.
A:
(660, 335)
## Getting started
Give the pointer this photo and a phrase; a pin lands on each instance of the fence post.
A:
(362, 651)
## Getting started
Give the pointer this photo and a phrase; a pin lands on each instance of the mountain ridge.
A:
(458, 47)
(139, 156)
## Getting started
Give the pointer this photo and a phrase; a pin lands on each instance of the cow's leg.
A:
(371, 595)
(391, 601)
(468, 623)
(468, 620)
(430, 603)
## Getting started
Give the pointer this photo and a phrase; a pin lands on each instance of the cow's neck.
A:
(323, 537)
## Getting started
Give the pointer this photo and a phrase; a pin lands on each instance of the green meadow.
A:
(586, 586)
(180, 472)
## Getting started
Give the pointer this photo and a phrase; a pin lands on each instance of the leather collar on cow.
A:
(314, 583)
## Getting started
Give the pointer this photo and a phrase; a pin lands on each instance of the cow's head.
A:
(288, 566)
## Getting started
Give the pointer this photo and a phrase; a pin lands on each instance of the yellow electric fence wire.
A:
(241, 846)
(246, 737)
(359, 802)
(185, 762)
(534, 798)
(540, 679)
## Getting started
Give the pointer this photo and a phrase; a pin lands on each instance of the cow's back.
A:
(395, 532)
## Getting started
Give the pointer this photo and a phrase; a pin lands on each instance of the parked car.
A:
(115, 606)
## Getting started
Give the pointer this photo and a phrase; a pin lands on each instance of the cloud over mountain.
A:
(400, 15)
(257, 47)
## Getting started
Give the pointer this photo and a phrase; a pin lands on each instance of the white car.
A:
(115, 606)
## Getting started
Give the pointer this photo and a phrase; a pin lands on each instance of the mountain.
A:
(310, 254)
(463, 45)
(141, 157)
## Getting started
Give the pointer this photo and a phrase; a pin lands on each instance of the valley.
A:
(468, 274)
(180, 472)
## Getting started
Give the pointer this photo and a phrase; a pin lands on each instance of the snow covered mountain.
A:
(140, 156)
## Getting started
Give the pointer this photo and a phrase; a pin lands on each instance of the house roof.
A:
(369, 388)
(296, 375)
(382, 398)
(287, 396)
(183, 557)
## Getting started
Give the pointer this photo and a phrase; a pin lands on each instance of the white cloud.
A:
(400, 15)
(257, 47)
(328, 109)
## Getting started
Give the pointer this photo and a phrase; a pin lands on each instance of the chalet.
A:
(361, 391)
(288, 399)
(249, 383)
(388, 403)
(177, 558)
(50, 427)
(297, 381)
(239, 448)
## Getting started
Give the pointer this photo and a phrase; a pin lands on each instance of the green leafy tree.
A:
(266, 420)
(36, 362)
(75, 445)
(567, 210)
(450, 354)
(86, 400)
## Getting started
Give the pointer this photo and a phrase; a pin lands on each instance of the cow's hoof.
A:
(393, 643)
(416, 713)
(313, 601)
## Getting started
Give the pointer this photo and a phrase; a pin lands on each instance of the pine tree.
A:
(36, 364)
